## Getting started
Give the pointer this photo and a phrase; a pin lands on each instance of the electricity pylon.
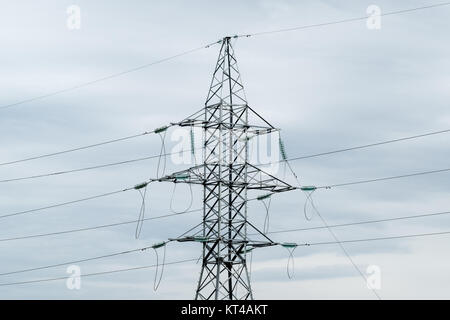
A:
(228, 122)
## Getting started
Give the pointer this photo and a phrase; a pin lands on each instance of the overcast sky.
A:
(327, 88)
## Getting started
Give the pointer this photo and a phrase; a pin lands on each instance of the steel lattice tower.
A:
(224, 270)
(226, 177)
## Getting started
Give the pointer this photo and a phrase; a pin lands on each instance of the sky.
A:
(327, 87)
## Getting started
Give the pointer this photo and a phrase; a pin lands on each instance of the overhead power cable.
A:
(81, 200)
(111, 76)
(93, 227)
(384, 178)
(65, 203)
(183, 151)
(57, 173)
(315, 155)
(344, 250)
(75, 149)
(313, 188)
(416, 235)
(75, 261)
(103, 226)
(191, 260)
(92, 146)
(88, 228)
(40, 235)
(403, 236)
(157, 156)
(115, 75)
(309, 198)
(94, 274)
(362, 222)
(329, 23)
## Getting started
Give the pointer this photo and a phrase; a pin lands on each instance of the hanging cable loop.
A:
(179, 178)
(162, 153)
(266, 200)
(157, 280)
(290, 263)
(140, 220)
(308, 190)
(249, 250)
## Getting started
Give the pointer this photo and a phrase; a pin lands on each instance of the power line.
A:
(82, 200)
(219, 196)
(363, 146)
(131, 188)
(200, 209)
(115, 75)
(95, 273)
(380, 238)
(171, 153)
(40, 235)
(362, 222)
(383, 179)
(339, 21)
(190, 260)
(65, 203)
(75, 261)
(90, 146)
(349, 257)
(75, 149)
(94, 227)
(57, 173)
(363, 277)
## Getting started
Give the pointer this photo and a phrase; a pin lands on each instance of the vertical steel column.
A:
(224, 273)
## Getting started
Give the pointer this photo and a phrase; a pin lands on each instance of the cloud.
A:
(327, 88)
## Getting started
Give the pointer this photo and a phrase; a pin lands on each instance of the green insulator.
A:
(192, 142)
(140, 185)
(264, 196)
(200, 239)
(282, 149)
(162, 129)
(158, 245)
(182, 176)
(289, 245)
(308, 188)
